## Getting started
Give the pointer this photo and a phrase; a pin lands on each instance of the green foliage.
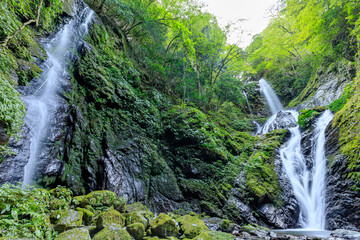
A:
(299, 40)
(307, 116)
(348, 120)
(24, 212)
(338, 104)
(261, 178)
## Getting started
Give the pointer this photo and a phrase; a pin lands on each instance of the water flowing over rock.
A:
(46, 109)
(272, 100)
(307, 178)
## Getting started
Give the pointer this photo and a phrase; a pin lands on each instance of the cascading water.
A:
(43, 102)
(273, 101)
(308, 183)
(247, 101)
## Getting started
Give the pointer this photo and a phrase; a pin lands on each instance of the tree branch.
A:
(36, 21)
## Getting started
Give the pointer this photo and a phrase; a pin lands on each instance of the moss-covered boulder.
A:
(112, 232)
(136, 207)
(163, 226)
(191, 226)
(107, 218)
(99, 199)
(88, 216)
(77, 233)
(136, 230)
(138, 217)
(69, 219)
(214, 235)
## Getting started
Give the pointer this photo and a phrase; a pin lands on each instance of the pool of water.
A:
(305, 232)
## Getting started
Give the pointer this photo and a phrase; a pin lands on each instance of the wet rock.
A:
(12, 169)
(114, 231)
(163, 226)
(346, 234)
(191, 226)
(136, 230)
(99, 199)
(107, 218)
(281, 120)
(77, 233)
(213, 223)
(343, 203)
(214, 235)
(69, 7)
(328, 85)
(69, 219)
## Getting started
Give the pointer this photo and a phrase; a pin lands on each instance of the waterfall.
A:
(247, 101)
(43, 100)
(308, 183)
(271, 98)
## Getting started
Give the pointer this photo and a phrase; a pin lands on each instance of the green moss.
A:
(88, 216)
(338, 104)
(107, 218)
(191, 226)
(99, 199)
(76, 233)
(261, 178)
(348, 121)
(214, 235)
(69, 219)
(136, 230)
(163, 226)
(114, 231)
(307, 116)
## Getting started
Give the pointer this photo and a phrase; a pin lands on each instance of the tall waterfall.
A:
(271, 98)
(43, 101)
(307, 181)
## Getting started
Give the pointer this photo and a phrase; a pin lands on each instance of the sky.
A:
(255, 13)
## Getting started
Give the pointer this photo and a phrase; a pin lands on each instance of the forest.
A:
(154, 122)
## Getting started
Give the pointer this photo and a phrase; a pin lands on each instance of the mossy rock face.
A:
(112, 232)
(136, 207)
(214, 235)
(191, 226)
(163, 226)
(55, 216)
(107, 218)
(77, 233)
(69, 219)
(27, 71)
(136, 230)
(88, 215)
(120, 204)
(139, 217)
(99, 199)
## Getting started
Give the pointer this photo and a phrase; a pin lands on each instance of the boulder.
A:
(99, 199)
(345, 234)
(137, 217)
(136, 230)
(69, 219)
(77, 233)
(214, 235)
(112, 232)
(88, 216)
(111, 217)
(191, 226)
(163, 226)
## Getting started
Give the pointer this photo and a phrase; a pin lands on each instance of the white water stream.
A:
(273, 101)
(307, 182)
(43, 102)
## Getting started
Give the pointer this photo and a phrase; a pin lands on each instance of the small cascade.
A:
(271, 98)
(307, 181)
(42, 99)
(247, 101)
